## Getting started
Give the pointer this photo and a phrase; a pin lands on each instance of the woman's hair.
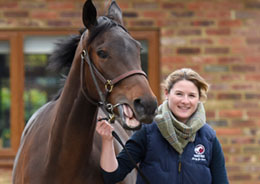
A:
(189, 75)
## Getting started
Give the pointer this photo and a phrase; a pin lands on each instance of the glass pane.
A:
(41, 85)
(4, 94)
(144, 55)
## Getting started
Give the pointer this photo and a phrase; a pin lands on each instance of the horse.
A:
(59, 143)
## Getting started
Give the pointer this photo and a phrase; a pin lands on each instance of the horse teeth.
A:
(128, 111)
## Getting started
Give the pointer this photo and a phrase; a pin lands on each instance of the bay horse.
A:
(59, 144)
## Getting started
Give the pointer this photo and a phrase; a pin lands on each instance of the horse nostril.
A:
(145, 107)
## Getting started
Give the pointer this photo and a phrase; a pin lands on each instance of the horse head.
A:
(114, 67)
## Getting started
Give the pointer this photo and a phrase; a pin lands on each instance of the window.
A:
(5, 99)
(41, 85)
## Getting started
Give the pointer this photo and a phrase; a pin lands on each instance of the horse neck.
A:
(73, 125)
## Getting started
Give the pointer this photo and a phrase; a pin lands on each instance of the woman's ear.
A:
(166, 93)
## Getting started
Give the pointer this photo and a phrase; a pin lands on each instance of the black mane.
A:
(64, 52)
(62, 57)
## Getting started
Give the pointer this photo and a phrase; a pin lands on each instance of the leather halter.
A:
(108, 84)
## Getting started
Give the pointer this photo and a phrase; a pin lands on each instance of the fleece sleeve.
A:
(217, 165)
(136, 148)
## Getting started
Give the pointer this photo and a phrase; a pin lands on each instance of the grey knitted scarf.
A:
(175, 132)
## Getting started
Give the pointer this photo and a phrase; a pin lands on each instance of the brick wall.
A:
(219, 39)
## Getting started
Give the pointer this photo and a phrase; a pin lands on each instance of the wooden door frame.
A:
(152, 36)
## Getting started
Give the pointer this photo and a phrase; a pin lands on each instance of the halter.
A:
(108, 84)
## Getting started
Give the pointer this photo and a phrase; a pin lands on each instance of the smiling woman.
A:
(178, 146)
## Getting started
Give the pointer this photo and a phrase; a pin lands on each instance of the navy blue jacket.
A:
(202, 161)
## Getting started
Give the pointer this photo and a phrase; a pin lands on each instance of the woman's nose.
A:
(185, 99)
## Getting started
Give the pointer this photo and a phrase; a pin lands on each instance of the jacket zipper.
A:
(180, 169)
(179, 164)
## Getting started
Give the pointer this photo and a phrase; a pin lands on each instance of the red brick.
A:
(70, 14)
(242, 86)
(201, 41)
(233, 168)
(230, 114)
(231, 149)
(243, 140)
(241, 159)
(245, 105)
(252, 77)
(167, 32)
(218, 31)
(175, 59)
(243, 68)
(221, 87)
(182, 14)
(145, 5)
(168, 23)
(243, 123)
(59, 23)
(154, 14)
(213, 14)
(202, 23)
(231, 41)
(188, 50)
(216, 50)
(228, 131)
(227, 60)
(142, 23)
(189, 32)
(252, 59)
(61, 5)
(240, 177)
(230, 23)
(253, 113)
(237, 50)
(8, 5)
(44, 15)
(203, 59)
(251, 149)
(173, 5)
(123, 5)
(252, 5)
(210, 114)
(16, 14)
(130, 14)
(231, 77)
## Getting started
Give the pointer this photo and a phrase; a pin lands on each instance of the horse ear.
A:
(115, 13)
(89, 15)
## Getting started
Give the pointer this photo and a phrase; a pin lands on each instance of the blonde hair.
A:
(190, 75)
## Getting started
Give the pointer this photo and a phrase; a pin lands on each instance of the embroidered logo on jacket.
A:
(199, 153)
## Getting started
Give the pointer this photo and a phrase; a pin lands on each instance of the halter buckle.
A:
(109, 86)
(83, 54)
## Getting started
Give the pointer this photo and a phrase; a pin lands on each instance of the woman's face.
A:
(183, 99)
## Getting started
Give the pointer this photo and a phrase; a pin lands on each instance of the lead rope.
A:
(115, 135)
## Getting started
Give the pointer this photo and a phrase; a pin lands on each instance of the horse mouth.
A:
(128, 118)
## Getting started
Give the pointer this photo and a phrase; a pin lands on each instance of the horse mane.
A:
(63, 54)
(62, 57)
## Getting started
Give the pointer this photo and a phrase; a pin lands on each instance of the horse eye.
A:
(102, 54)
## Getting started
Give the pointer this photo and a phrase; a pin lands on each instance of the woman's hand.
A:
(108, 159)
(104, 129)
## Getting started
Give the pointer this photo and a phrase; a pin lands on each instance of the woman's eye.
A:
(193, 96)
(102, 54)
